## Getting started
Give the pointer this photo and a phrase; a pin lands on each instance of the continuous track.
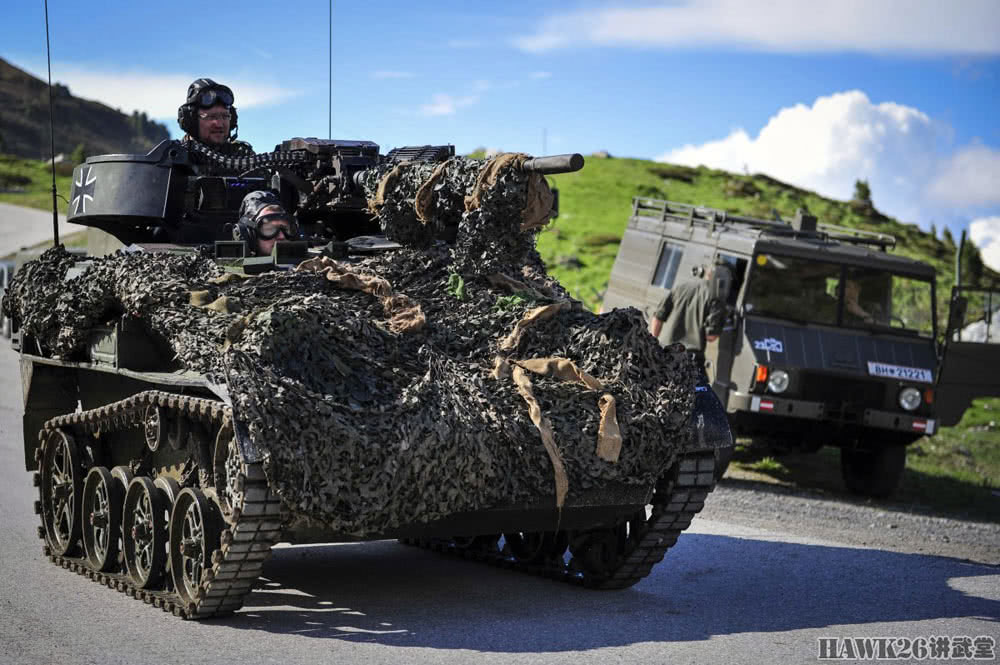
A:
(250, 514)
(247, 516)
(610, 558)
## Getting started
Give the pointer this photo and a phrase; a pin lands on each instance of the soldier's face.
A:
(213, 124)
(265, 245)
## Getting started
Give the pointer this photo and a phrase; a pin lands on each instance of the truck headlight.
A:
(778, 381)
(909, 398)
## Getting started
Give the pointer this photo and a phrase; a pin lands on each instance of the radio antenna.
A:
(52, 140)
(329, 125)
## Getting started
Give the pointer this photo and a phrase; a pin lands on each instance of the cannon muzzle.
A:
(554, 164)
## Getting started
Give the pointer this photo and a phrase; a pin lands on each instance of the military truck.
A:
(188, 404)
(830, 339)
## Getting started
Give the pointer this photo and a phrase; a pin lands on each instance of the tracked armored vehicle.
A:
(830, 339)
(402, 369)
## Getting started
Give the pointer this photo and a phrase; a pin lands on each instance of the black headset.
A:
(205, 93)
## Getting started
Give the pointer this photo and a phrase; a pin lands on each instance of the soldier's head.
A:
(208, 113)
(263, 222)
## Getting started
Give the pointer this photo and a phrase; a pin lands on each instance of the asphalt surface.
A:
(24, 227)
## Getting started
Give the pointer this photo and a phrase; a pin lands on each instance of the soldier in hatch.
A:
(208, 117)
(263, 222)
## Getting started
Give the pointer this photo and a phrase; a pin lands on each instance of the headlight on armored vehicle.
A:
(778, 381)
(909, 398)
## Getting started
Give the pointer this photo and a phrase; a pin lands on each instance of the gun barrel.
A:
(554, 164)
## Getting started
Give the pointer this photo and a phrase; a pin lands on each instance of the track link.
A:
(252, 519)
(631, 548)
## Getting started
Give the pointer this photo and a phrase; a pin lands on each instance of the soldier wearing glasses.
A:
(209, 117)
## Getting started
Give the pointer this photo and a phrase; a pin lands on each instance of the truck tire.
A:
(873, 471)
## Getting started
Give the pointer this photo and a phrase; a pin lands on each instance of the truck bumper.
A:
(769, 405)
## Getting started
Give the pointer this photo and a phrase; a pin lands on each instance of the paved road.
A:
(726, 593)
(24, 227)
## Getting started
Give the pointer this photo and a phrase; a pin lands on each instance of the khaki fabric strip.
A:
(423, 201)
(609, 436)
(489, 174)
(538, 314)
(545, 430)
(404, 314)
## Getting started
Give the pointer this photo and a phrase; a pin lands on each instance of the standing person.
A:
(691, 314)
(208, 118)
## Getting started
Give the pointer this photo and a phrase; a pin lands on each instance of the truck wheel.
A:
(875, 471)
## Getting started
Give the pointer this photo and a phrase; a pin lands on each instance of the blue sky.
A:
(904, 93)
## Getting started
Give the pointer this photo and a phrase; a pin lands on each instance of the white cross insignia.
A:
(84, 189)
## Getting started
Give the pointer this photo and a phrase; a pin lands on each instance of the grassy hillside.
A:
(595, 205)
(99, 129)
(28, 182)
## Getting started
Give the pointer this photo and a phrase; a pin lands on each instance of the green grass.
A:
(34, 177)
(596, 202)
(955, 472)
(768, 465)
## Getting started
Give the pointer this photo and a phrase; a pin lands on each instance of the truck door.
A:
(970, 355)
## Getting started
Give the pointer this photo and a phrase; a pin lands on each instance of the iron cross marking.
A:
(84, 189)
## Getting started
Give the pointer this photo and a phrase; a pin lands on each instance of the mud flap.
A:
(49, 391)
(710, 428)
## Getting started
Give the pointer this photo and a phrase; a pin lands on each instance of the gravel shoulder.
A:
(881, 526)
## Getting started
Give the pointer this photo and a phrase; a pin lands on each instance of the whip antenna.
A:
(329, 125)
(52, 140)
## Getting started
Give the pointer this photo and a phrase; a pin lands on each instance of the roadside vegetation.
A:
(28, 182)
(956, 472)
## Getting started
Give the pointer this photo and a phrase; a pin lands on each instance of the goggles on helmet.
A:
(268, 226)
(213, 96)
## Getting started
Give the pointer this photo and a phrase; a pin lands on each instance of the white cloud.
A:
(442, 104)
(985, 233)
(827, 146)
(921, 26)
(158, 94)
(540, 75)
(970, 177)
(386, 74)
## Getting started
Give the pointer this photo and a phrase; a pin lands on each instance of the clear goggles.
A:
(269, 226)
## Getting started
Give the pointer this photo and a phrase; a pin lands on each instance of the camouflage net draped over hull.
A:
(366, 428)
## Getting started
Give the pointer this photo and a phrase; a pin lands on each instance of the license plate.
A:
(900, 372)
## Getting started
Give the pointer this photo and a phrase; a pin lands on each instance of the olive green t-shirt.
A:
(689, 312)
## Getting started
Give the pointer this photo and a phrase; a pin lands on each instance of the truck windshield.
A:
(838, 295)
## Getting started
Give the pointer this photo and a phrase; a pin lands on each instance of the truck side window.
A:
(666, 267)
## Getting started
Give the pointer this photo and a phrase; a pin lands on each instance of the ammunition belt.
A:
(251, 527)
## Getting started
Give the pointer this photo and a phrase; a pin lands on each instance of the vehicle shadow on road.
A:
(707, 585)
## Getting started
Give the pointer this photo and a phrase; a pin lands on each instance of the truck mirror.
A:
(956, 318)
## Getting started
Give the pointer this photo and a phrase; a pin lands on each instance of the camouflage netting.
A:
(405, 386)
